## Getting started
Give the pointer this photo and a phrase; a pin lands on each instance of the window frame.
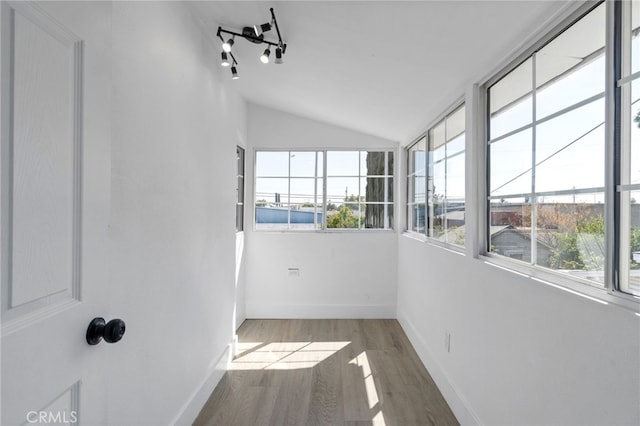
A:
(411, 204)
(323, 225)
(622, 145)
(609, 293)
(440, 119)
(241, 166)
(532, 125)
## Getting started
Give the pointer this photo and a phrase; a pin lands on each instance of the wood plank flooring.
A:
(325, 372)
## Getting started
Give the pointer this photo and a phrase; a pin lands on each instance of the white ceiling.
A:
(385, 68)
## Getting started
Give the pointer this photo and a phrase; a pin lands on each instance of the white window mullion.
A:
(533, 201)
(324, 190)
(315, 191)
(386, 190)
(289, 193)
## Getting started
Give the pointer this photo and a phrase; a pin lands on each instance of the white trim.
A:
(477, 169)
(450, 391)
(263, 310)
(629, 187)
(190, 410)
(452, 248)
(6, 151)
(581, 287)
(39, 17)
(594, 190)
(628, 79)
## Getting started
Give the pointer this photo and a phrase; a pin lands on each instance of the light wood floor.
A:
(325, 372)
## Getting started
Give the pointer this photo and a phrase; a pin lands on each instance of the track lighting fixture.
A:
(264, 58)
(227, 45)
(225, 60)
(254, 34)
(259, 29)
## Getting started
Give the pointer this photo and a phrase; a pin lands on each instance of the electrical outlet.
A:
(294, 272)
(447, 341)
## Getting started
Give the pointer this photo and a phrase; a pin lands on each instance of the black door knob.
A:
(111, 331)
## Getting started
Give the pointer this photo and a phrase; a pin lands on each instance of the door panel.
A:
(54, 182)
(43, 205)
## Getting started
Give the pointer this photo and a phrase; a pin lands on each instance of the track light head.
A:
(278, 56)
(234, 73)
(227, 45)
(225, 60)
(265, 56)
(259, 29)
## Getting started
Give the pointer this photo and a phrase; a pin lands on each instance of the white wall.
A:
(176, 122)
(522, 352)
(241, 268)
(349, 275)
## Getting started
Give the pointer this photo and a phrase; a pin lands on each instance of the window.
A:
(436, 181)
(417, 186)
(315, 190)
(628, 185)
(239, 189)
(546, 150)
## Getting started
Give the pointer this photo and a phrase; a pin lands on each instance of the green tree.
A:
(566, 254)
(261, 203)
(594, 225)
(352, 201)
(344, 218)
(634, 245)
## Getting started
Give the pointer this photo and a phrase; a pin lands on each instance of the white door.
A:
(55, 185)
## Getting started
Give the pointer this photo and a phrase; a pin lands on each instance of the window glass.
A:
(577, 85)
(445, 182)
(343, 163)
(510, 101)
(630, 244)
(510, 164)
(510, 228)
(633, 128)
(289, 190)
(571, 67)
(416, 186)
(368, 195)
(573, 142)
(239, 189)
(304, 164)
(270, 163)
(546, 191)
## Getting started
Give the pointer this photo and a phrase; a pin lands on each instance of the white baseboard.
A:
(458, 403)
(263, 311)
(196, 401)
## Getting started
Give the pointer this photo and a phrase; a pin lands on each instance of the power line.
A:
(555, 153)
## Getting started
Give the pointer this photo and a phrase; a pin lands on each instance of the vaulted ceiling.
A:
(385, 68)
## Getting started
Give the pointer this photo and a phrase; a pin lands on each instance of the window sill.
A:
(324, 231)
(580, 287)
(434, 243)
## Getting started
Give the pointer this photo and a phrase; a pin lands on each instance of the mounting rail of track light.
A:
(255, 35)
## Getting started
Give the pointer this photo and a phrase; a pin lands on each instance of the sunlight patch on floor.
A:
(362, 361)
(283, 355)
